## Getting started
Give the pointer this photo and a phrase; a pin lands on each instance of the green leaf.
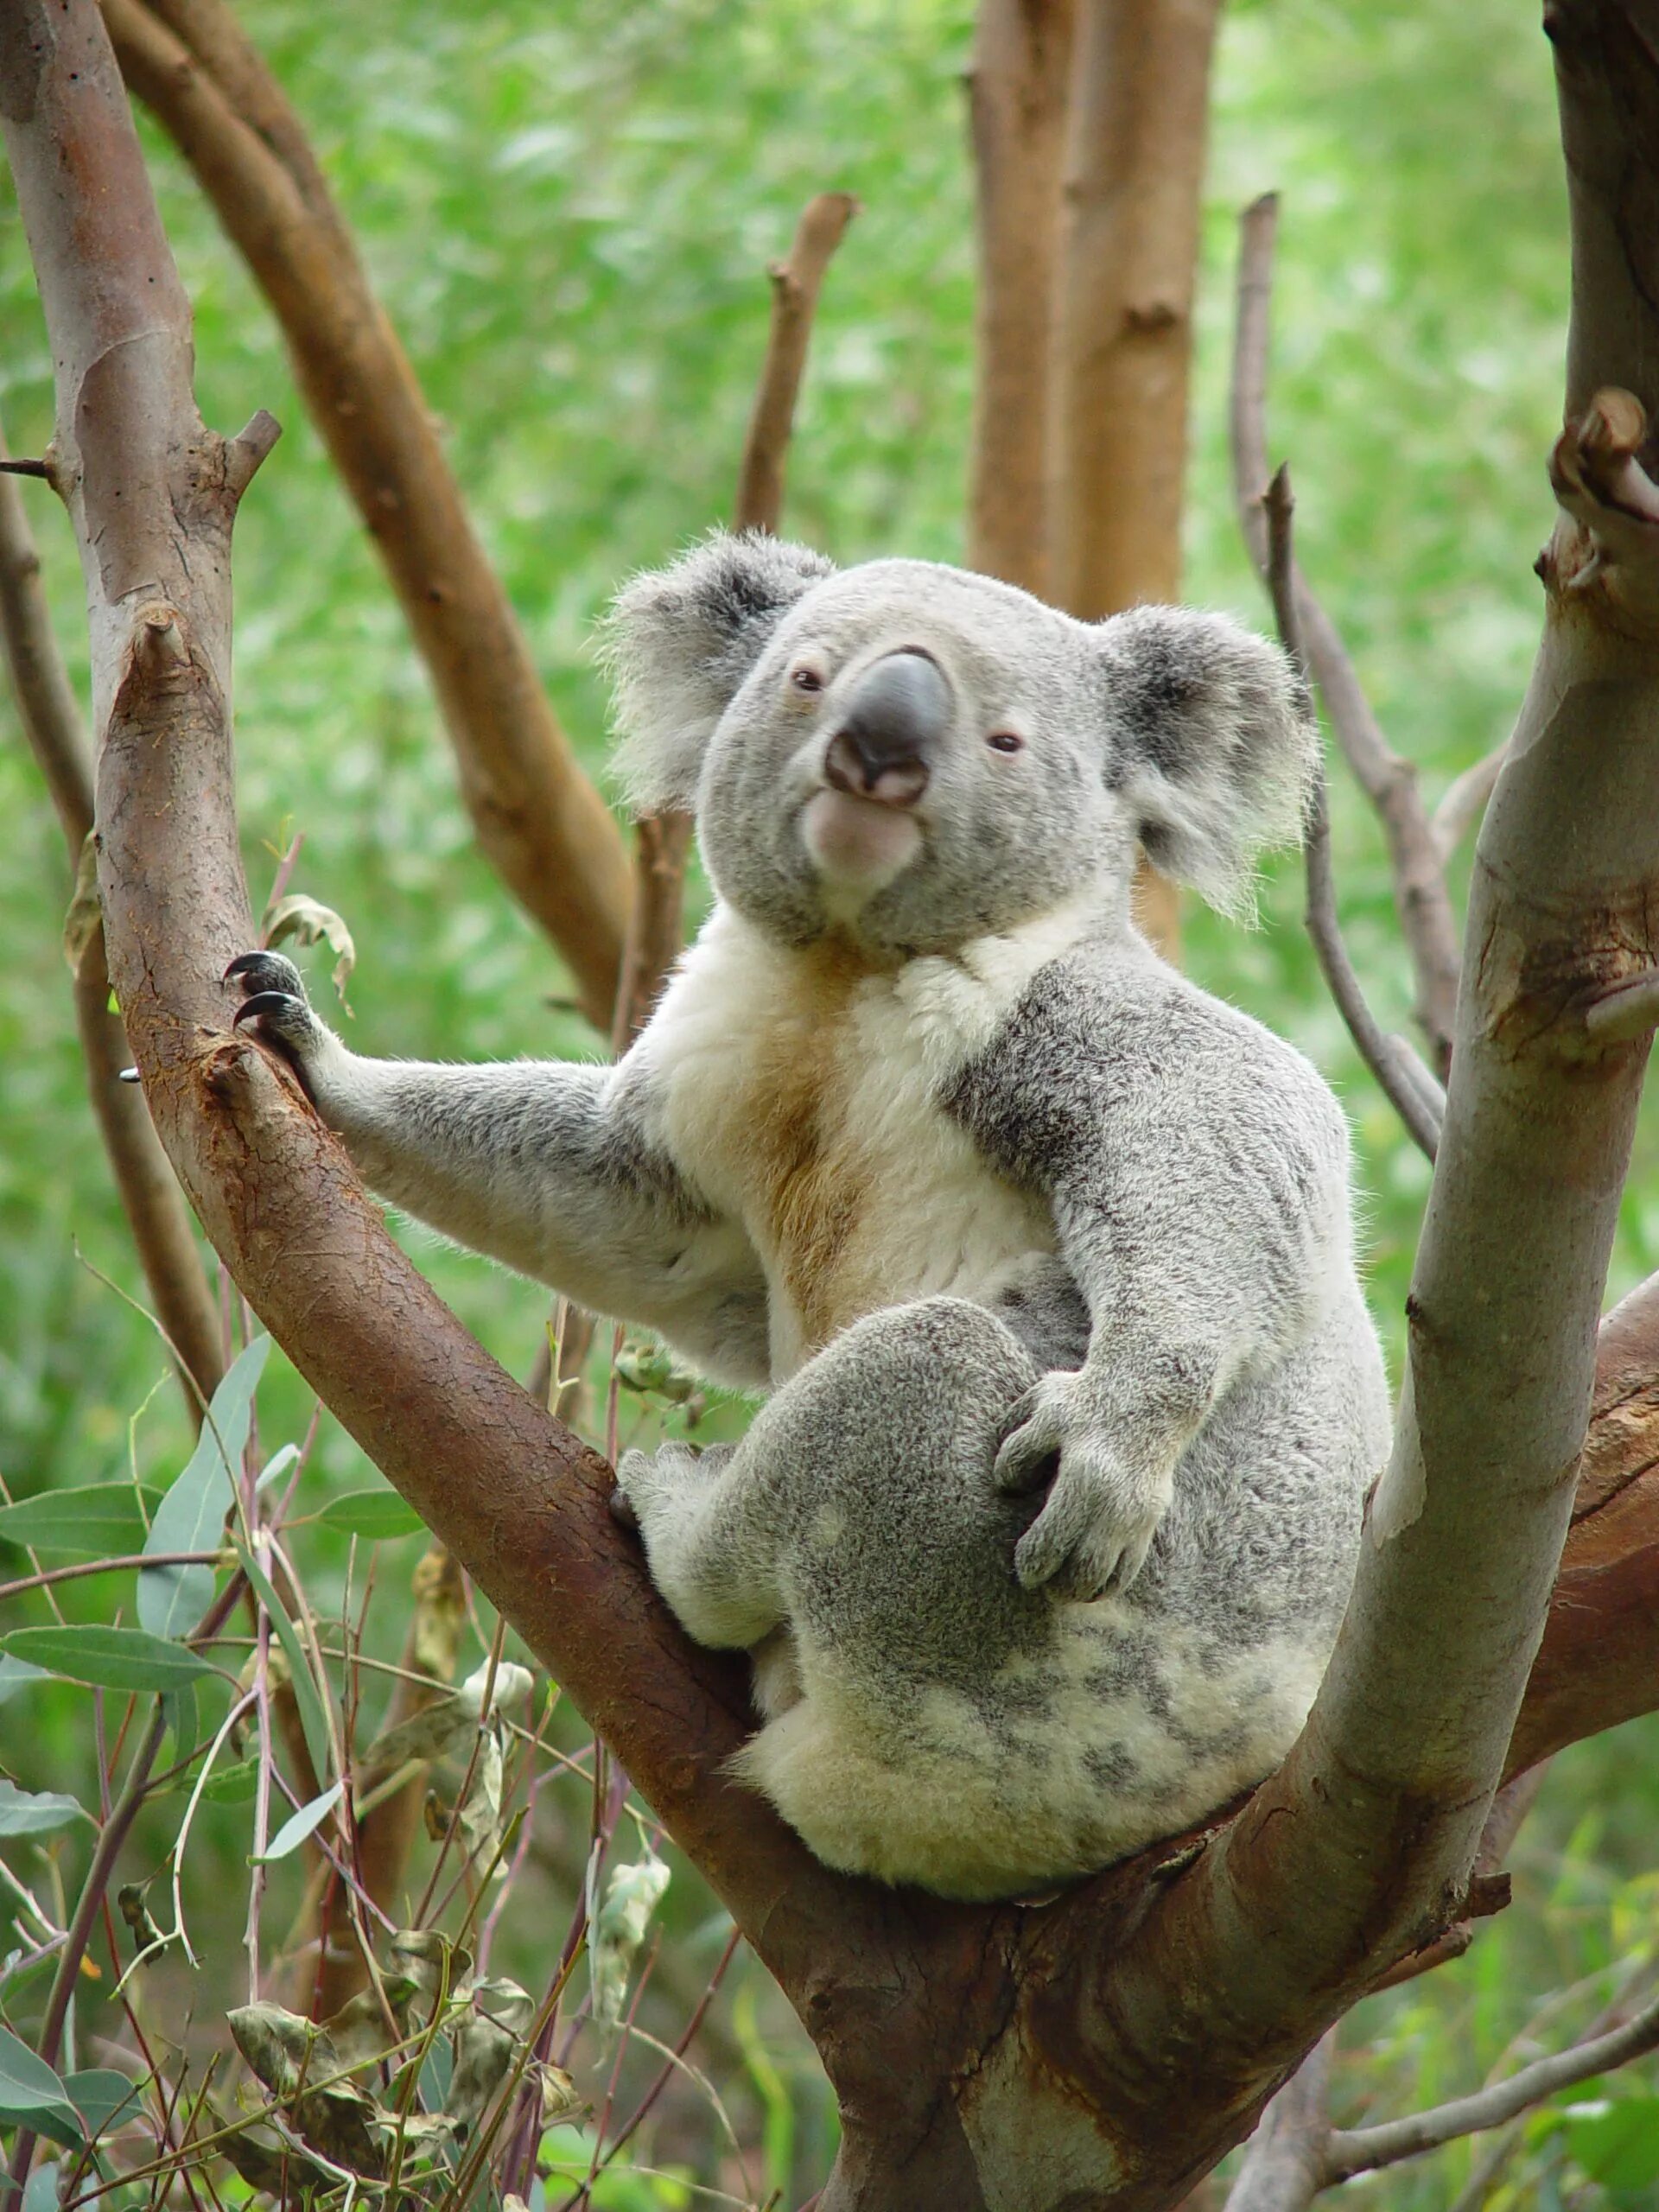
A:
(92, 1520)
(1617, 2143)
(378, 1514)
(16, 1675)
(28, 2084)
(298, 1825)
(105, 1658)
(312, 1723)
(171, 1599)
(101, 2096)
(23, 1813)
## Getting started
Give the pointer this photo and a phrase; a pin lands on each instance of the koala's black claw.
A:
(266, 972)
(275, 1003)
(622, 1512)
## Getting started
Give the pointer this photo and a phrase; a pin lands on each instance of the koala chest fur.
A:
(799, 1092)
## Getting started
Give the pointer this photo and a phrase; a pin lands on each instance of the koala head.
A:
(916, 755)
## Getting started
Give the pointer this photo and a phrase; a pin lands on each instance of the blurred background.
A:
(568, 212)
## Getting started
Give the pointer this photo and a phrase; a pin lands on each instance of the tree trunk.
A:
(1123, 345)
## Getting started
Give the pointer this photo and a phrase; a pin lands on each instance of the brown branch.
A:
(162, 1230)
(1390, 782)
(656, 924)
(1018, 85)
(796, 282)
(537, 817)
(1408, 1086)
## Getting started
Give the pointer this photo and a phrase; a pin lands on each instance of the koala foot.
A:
(278, 1008)
(1094, 1533)
(648, 1483)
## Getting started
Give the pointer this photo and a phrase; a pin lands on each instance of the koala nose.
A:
(899, 711)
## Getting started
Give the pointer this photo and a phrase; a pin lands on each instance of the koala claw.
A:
(277, 1005)
(1094, 1533)
(266, 971)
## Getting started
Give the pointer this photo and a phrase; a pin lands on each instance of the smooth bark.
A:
(1018, 88)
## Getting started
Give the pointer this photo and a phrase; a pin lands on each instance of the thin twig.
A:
(796, 282)
(1390, 783)
(1389, 1059)
(1361, 2150)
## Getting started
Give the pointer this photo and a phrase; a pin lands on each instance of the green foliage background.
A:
(569, 211)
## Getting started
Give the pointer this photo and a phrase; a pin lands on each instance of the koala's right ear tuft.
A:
(679, 642)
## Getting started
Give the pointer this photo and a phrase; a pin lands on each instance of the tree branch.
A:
(1286, 2165)
(161, 1225)
(1361, 2150)
(796, 282)
(1390, 783)
(537, 817)
(1406, 1082)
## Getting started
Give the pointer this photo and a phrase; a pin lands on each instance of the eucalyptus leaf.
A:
(104, 1657)
(299, 1824)
(24, 1812)
(16, 1675)
(28, 2084)
(91, 1520)
(313, 1725)
(191, 1517)
(377, 1513)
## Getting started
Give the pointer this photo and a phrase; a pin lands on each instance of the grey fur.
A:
(932, 1144)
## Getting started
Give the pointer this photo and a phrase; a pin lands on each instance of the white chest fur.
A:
(797, 1092)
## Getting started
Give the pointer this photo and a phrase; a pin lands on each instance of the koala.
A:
(1044, 1256)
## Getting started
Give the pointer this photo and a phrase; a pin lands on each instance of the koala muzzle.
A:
(899, 712)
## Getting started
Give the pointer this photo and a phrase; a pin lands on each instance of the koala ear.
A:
(679, 642)
(1215, 745)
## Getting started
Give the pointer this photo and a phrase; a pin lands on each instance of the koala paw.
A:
(647, 1484)
(277, 1007)
(1096, 1530)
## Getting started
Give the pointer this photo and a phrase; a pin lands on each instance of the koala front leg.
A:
(712, 1557)
(540, 1164)
(1110, 1436)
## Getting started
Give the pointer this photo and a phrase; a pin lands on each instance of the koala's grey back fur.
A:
(1042, 1542)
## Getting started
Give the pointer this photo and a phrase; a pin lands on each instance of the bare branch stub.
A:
(1416, 859)
(538, 818)
(796, 282)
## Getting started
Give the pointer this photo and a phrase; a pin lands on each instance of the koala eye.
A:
(805, 679)
(1006, 740)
